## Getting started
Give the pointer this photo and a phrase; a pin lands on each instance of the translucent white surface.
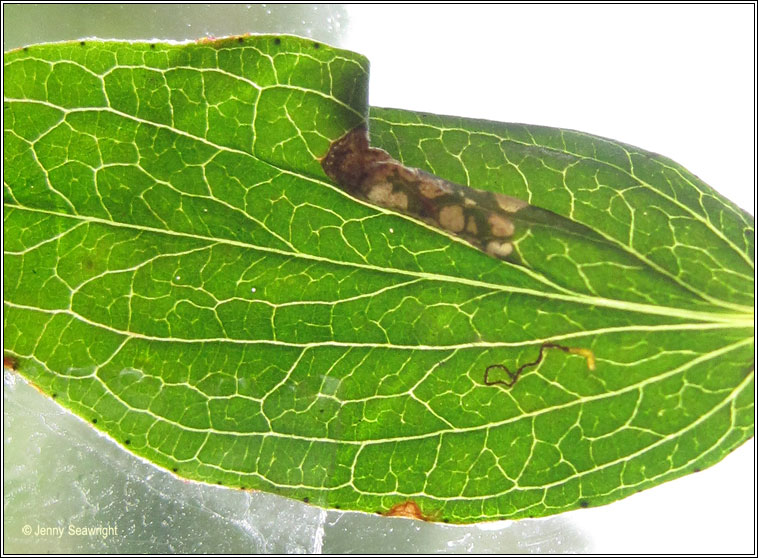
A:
(677, 80)
(59, 472)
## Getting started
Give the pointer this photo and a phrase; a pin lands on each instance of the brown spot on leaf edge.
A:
(407, 509)
(10, 363)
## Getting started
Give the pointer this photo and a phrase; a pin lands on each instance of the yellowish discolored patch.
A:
(586, 353)
(471, 226)
(500, 226)
(508, 203)
(451, 218)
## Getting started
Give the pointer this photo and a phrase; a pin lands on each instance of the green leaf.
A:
(180, 272)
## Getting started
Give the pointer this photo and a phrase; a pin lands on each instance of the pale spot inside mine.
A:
(451, 218)
(509, 204)
(382, 194)
(500, 226)
(495, 248)
(399, 200)
(432, 189)
(471, 227)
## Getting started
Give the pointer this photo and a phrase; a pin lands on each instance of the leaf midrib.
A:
(741, 319)
(699, 326)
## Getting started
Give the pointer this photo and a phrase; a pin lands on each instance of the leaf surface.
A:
(180, 272)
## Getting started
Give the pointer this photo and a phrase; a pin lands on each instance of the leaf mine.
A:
(481, 218)
(514, 376)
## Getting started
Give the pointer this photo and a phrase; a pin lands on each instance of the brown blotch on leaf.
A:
(406, 509)
(372, 175)
(10, 363)
(350, 161)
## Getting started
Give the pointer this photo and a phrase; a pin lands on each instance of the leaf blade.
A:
(255, 327)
